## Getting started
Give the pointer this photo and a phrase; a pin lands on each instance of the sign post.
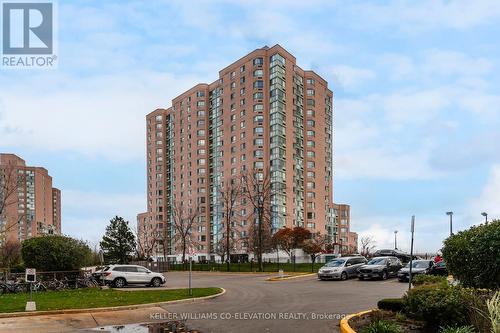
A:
(30, 277)
(411, 250)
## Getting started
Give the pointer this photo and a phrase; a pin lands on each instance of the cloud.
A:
(489, 198)
(422, 16)
(350, 77)
(97, 116)
(86, 214)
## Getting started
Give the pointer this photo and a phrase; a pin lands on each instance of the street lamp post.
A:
(450, 214)
(485, 216)
(395, 240)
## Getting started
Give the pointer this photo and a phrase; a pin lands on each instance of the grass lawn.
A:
(96, 298)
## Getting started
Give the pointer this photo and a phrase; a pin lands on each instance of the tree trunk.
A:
(259, 250)
(227, 246)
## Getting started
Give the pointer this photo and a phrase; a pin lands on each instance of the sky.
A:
(416, 102)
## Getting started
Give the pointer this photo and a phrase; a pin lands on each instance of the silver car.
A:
(122, 275)
(341, 268)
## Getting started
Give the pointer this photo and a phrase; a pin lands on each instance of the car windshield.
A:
(335, 263)
(105, 269)
(418, 264)
(377, 261)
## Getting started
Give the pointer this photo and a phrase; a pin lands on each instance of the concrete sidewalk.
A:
(74, 322)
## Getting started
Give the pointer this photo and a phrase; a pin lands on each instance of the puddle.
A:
(166, 327)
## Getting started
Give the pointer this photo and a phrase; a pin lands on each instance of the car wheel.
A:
(384, 275)
(119, 282)
(343, 276)
(156, 282)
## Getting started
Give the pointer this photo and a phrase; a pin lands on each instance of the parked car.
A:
(439, 268)
(402, 256)
(341, 268)
(417, 267)
(122, 275)
(380, 267)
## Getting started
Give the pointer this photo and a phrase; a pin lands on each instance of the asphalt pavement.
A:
(250, 304)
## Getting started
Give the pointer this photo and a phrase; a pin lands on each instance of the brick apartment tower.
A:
(33, 206)
(264, 112)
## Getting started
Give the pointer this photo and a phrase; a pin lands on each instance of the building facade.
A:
(29, 205)
(263, 114)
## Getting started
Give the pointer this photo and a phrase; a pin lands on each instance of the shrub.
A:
(475, 302)
(391, 304)
(493, 305)
(55, 253)
(437, 305)
(473, 256)
(382, 326)
(422, 279)
(462, 329)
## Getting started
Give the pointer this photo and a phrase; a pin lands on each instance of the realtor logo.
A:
(28, 34)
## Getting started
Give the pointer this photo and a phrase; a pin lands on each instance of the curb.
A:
(276, 279)
(344, 323)
(112, 308)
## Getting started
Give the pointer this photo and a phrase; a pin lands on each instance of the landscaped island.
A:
(97, 298)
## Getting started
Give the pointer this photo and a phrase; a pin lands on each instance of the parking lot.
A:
(250, 304)
(305, 304)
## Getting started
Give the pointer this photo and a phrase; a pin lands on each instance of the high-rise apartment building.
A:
(263, 114)
(29, 205)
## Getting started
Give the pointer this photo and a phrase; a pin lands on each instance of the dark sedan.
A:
(380, 267)
(417, 267)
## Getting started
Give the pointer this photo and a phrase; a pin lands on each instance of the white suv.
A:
(121, 275)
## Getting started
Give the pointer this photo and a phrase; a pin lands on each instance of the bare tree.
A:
(367, 245)
(229, 196)
(184, 219)
(10, 180)
(257, 188)
(146, 241)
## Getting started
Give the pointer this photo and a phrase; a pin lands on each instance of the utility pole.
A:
(485, 217)
(411, 249)
(395, 240)
(450, 214)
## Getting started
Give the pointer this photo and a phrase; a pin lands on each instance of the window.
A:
(258, 107)
(200, 94)
(310, 164)
(242, 69)
(258, 141)
(258, 84)
(258, 165)
(200, 103)
(201, 161)
(310, 154)
(310, 92)
(310, 133)
(233, 139)
(242, 80)
(233, 117)
(258, 95)
(311, 143)
(311, 174)
(242, 91)
(200, 132)
(232, 75)
(242, 101)
(310, 102)
(258, 61)
(311, 123)
(258, 72)
(242, 124)
(310, 81)
(258, 118)
(310, 113)
(258, 153)
(201, 151)
(233, 85)
(258, 130)
(201, 113)
(158, 118)
(201, 142)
